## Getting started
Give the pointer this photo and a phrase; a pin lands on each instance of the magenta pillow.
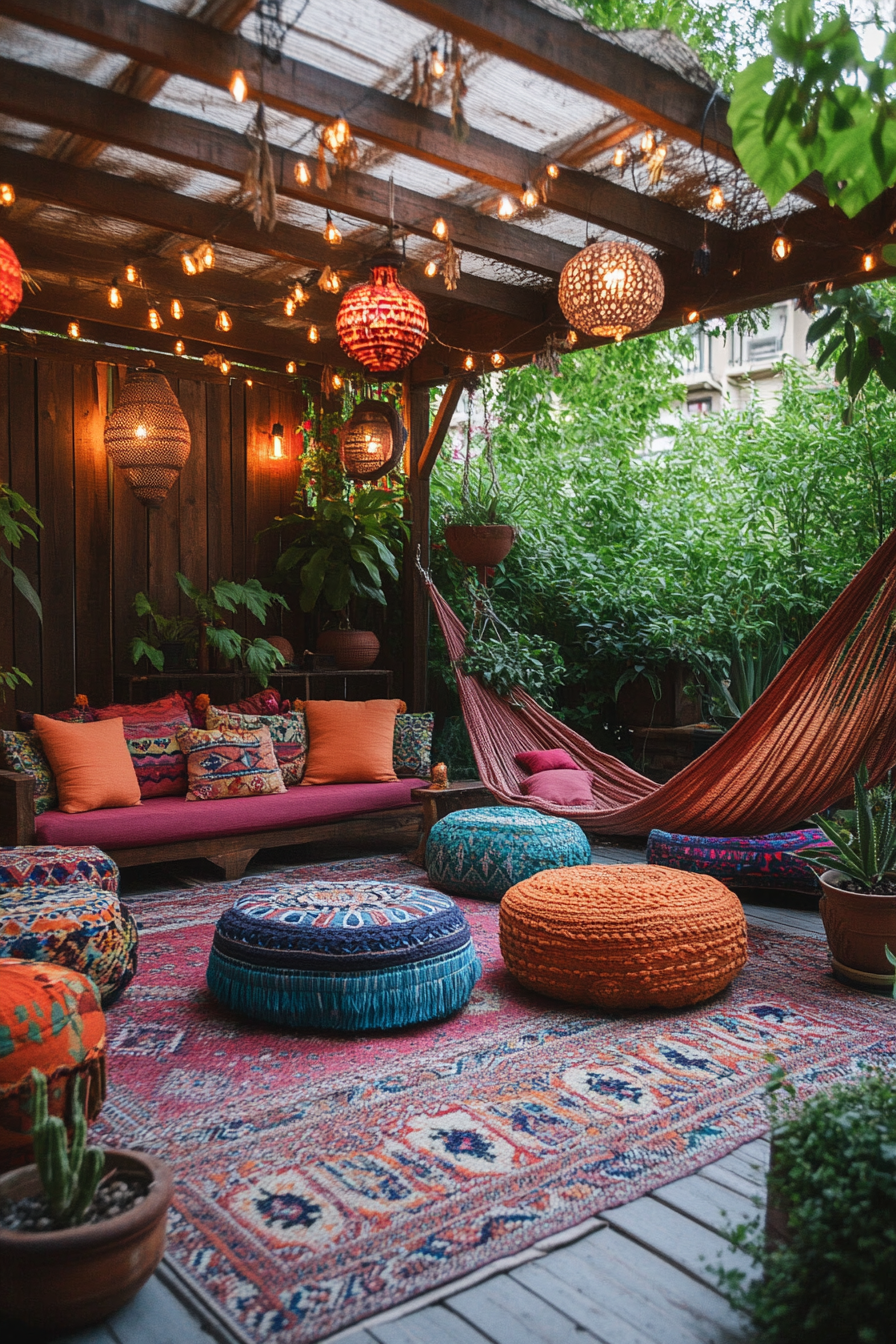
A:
(569, 788)
(536, 761)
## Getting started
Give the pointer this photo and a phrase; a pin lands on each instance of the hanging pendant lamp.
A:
(381, 324)
(611, 289)
(371, 441)
(147, 435)
(10, 281)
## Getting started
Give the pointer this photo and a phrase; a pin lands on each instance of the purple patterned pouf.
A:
(762, 862)
(56, 866)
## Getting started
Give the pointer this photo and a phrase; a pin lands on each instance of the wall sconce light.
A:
(278, 453)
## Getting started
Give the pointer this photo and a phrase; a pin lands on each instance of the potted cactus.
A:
(82, 1229)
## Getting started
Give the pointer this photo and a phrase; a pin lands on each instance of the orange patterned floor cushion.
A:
(623, 936)
(50, 1019)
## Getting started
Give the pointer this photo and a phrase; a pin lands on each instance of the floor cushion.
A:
(760, 862)
(482, 851)
(350, 956)
(50, 1019)
(56, 866)
(623, 935)
(79, 926)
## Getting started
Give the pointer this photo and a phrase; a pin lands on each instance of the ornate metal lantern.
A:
(147, 435)
(611, 289)
(10, 281)
(371, 441)
(381, 324)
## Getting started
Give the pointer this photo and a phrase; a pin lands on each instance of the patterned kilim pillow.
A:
(412, 749)
(24, 753)
(227, 763)
(289, 735)
(159, 763)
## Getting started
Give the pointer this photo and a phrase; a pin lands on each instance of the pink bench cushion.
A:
(161, 821)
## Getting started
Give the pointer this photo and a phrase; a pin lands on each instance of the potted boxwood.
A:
(858, 880)
(82, 1229)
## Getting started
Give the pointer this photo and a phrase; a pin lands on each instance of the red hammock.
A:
(792, 753)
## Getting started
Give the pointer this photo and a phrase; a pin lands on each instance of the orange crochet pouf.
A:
(626, 936)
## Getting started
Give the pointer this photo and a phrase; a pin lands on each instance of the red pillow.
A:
(555, 759)
(170, 706)
(568, 788)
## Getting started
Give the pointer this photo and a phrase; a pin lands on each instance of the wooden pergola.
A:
(124, 145)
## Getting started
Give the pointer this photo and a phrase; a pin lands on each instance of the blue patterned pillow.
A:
(24, 753)
(412, 746)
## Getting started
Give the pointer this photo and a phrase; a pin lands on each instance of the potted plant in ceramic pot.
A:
(858, 881)
(480, 531)
(82, 1229)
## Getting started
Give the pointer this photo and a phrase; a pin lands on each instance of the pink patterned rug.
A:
(321, 1179)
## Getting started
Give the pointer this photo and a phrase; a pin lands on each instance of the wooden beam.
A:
(161, 38)
(441, 424)
(37, 95)
(415, 407)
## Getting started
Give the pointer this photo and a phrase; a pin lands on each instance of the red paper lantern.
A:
(381, 324)
(10, 281)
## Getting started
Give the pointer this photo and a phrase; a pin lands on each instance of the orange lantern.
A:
(10, 281)
(381, 324)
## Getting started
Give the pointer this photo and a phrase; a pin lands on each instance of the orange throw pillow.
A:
(350, 741)
(91, 762)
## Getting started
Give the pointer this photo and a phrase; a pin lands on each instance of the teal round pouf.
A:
(484, 851)
(348, 956)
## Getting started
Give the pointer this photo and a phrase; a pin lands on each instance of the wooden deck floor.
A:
(639, 1274)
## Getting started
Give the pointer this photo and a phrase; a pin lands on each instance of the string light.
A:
(247, 382)
(619, 158)
(238, 86)
(7, 194)
(553, 171)
(177, 309)
(336, 382)
(648, 142)
(572, 337)
(188, 262)
(277, 452)
(692, 316)
(436, 64)
(330, 283)
(223, 321)
(74, 330)
(469, 363)
(431, 268)
(225, 366)
(130, 273)
(289, 306)
(302, 173)
(299, 293)
(781, 247)
(205, 255)
(114, 295)
(313, 334)
(440, 229)
(506, 208)
(715, 201)
(337, 134)
(498, 360)
(154, 318)
(529, 197)
(331, 233)
(291, 366)
(179, 347)
(869, 261)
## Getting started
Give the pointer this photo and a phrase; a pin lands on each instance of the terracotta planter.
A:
(351, 649)
(61, 1281)
(483, 546)
(858, 927)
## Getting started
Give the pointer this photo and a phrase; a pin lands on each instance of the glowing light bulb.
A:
(440, 229)
(869, 261)
(313, 334)
(114, 295)
(291, 366)
(7, 194)
(436, 63)
(781, 247)
(179, 347)
(247, 382)
(223, 321)
(154, 318)
(619, 158)
(207, 255)
(572, 337)
(498, 360)
(553, 170)
(289, 306)
(692, 316)
(469, 363)
(299, 293)
(337, 382)
(188, 262)
(177, 309)
(331, 233)
(140, 431)
(302, 173)
(74, 330)
(506, 208)
(529, 197)
(431, 268)
(715, 201)
(238, 86)
(332, 284)
(277, 452)
(337, 134)
(369, 442)
(648, 142)
(131, 274)
(225, 366)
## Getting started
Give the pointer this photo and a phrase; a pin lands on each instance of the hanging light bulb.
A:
(7, 194)
(436, 63)
(130, 273)
(188, 262)
(206, 256)
(302, 173)
(289, 306)
(154, 318)
(331, 233)
(440, 229)
(329, 281)
(223, 321)
(238, 86)
(619, 157)
(177, 309)
(469, 363)
(225, 366)
(869, 261)
(781, 247)
(114, 295)
(553, 170)
(247, 382)
(431, 268)
(529, 197)
(572, 337)
(313, 334)
(648, 142)
(74, 330)
(692, 316)
(715, 201)
(291, 366)
(498, 360)
(336, 382)
(277, 452)
(337, 134)
(179, 347)
(506, 208)
(299, 293)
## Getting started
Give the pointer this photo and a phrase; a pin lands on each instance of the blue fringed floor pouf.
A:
(484, 851)
(758, 862)
(349, 956)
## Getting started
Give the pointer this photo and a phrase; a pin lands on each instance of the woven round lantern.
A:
(381, 324)
(10, 281)
(611, 289)
(371, 441)
(147, 435)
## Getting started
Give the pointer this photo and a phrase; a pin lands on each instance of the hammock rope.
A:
(792, 753)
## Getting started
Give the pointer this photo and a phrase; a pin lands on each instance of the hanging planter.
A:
(10, 281)
(147, 435)
(371, 441)
(477, 533)
(381, 324)
(611, 289)
(482, 544)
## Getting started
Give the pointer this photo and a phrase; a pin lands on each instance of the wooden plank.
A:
(432, 1325)
(507, 1313)
(155, 1316)
(750, 1170)
(23, 477)
(93, 540)
(704, 1201)
(238, 477)
(219, 484)
(586, 1306)
(130, 567)
(429, 453)
(416, 600)
(684, 1243)
(56, 465)
(7, 639)
(192, 498)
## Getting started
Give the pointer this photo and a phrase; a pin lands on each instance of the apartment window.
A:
(763, 347)
(698, 362)
(700, 406)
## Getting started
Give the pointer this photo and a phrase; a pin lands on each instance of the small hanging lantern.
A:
(147, 435)
(611, 289)
(371, 441)
(278, 452)
(381, 324)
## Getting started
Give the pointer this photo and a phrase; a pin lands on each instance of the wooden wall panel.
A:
(23, 477)
(192, 513)
(93, 540)
(7, 642)
(56, 502)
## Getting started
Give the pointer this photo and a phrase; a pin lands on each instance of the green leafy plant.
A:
(856, 329)
(482, 501)
(868, 853)
(159, 630)
(69, 1172)
(743, 676)
(506, 659)
(16, 516)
